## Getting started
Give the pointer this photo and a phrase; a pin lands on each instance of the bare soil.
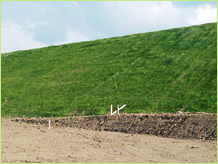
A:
(93, 139)
(178, 126)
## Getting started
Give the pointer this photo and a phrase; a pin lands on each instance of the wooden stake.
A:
(49, 124)
(111, 111)
(118, 109)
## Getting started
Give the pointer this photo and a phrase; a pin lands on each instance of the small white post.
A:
(111, 111)
(49, 124)
(118, 109)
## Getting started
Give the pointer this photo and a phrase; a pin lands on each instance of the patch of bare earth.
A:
(28, 140)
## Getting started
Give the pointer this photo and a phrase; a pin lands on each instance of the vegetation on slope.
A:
(161, 71)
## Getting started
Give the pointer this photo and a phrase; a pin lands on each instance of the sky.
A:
(34, 24)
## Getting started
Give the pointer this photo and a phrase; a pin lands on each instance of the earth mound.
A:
(178, 126)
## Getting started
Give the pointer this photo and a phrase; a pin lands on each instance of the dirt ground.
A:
(33, 143)
(171, 125)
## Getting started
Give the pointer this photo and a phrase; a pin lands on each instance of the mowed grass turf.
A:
(162, 71)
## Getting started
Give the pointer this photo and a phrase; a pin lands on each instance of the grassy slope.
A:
(161, 71)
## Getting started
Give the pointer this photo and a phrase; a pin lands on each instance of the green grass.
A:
(161, 71)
